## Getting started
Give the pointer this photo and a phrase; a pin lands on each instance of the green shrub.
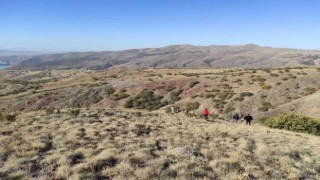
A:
(258, 78)
(244, 94)
(239, 99)
(229, 109)
(192, 106)
(97, 99)
(297, 123)
(119, 95)
(274, 75)
(109, 90)
(265, 86)
(292, 76)
(145, 100)
(193, 83)
(8, 117)
(265, 106)
(263, 109)
(50, 110)
(170, 88)
(308, 91)
(175, 96)
(74, 112)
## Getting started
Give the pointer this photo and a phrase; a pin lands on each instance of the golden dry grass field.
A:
(114, 144)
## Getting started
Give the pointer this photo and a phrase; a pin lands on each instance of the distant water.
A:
(3, 66)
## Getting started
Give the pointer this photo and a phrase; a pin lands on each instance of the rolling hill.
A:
(175, 56)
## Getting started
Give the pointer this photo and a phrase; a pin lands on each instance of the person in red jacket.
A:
(205, 113)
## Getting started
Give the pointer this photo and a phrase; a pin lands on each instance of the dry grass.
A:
(113, 144)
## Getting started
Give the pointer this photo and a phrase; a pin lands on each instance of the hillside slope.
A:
(176, 56)
(112, 144)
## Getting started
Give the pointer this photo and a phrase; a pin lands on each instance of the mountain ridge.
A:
(173, 56)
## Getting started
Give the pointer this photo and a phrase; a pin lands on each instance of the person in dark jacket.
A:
(248, 119)
(205, 113)
(235, 118)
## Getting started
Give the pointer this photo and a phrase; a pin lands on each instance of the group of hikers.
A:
(235, 118)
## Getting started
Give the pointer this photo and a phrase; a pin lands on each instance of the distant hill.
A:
(17, 53)
(175, 56)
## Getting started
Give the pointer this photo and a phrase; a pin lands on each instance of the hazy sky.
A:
(78, 25)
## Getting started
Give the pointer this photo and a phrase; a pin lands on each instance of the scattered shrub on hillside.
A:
(308, 91)
(287, 69)
(258, 78)
(74, 112)
(109, 90)
(318, 69)
(192, 106)
(113, 76)
(225, 86)
(297, 86)
(292, 76)
(240, 99)
(237, 80)
(265, 86)
(284, 79)
(265, 106)
(119, 95)
(209, 96)
(145, 100)
(175, 96)
(267, 70)
(193, 83)
(97, 99)
(229, 109)
(280, 71)
(170, 88)
(8, 117)
(95, 78)
(223, 79)
(244, 94)
(297, 123)
(50, 110)
(274, 75)
(226, 94)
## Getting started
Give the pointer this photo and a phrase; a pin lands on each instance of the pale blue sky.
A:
(95, 25)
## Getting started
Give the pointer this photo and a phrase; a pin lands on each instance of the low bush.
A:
(109, 90)
(240, 99)
(50, 110)
(308, 91)
(192, 106)
(8, 117)
(265, 106)
(265, 86)
(74, 112)
(145, 100)
(119, 95)
(175, 96)
(97, 99)
(274, 75)
(244, 94)
(297, 123)
(193, 83)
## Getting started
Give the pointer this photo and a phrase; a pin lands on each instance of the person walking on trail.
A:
(206, 113)
(235, 118)
(248, 119)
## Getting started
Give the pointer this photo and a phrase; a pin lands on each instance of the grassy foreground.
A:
(114, 144)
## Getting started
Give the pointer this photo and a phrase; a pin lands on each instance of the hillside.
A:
(263, 92)
(113, 144)
(176, 56)
(118, 124)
